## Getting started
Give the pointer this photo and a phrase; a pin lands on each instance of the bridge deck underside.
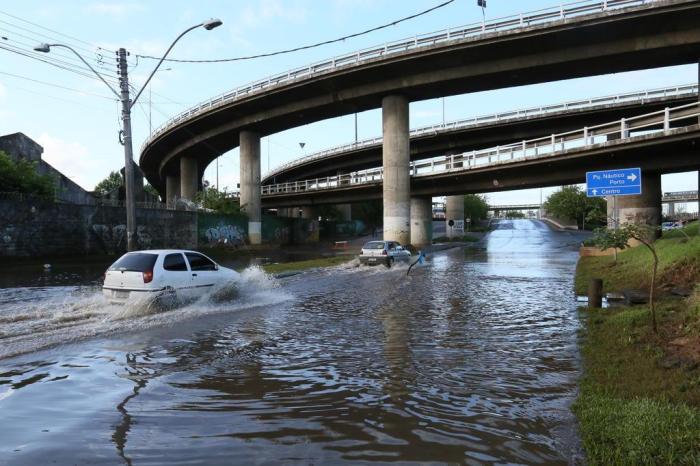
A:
(660, 34)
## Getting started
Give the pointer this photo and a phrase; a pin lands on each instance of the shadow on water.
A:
(471, 359)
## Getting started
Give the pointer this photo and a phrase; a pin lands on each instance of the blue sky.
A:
(76, 118)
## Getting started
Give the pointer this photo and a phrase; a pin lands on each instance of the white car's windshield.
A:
(374, 245)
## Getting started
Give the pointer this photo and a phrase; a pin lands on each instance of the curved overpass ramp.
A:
(485, 131)
(587, 39)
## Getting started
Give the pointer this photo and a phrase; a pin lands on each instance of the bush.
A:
(22, 177)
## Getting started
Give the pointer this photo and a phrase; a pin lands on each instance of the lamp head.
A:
(212, 23)
(43, 47)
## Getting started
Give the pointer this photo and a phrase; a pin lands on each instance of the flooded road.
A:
(470, 359)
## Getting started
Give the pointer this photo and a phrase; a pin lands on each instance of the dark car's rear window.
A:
(374, 245)
(135, 262)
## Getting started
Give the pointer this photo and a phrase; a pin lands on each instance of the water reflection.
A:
(471, 359)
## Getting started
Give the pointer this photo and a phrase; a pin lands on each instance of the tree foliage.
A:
(110, 183)
(620, 238)
(21, 177)
(515, 214)
(571, 202)
(475, 207)
(151, 190)
(222, 202)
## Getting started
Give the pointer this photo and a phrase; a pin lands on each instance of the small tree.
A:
(110, 183)
(620, 238)
(475, 207)
(571, 202)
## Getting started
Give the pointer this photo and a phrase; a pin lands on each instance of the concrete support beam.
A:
(172, 190)
(671, 209)
(189, 177)
(421, 221)
(397, 180)
(345, 211)
(250, 184)
(644, 209)
(454, 210)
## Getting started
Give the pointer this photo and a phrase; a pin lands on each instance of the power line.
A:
(55, 32)
(26, 78)
(53, 62)
(65, 55)
(305, 47)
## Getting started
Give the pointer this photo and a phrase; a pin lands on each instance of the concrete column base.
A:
(644, 209)
(189, 178)
(172, 190)
(395, 160)
(454, 210)
(250, 183)
(421, 221)
(255, 232)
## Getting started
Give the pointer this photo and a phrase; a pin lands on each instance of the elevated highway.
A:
(486, 131)
(579, 39)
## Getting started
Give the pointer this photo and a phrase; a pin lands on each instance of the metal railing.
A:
(638, 96)
(542, 147)
(562, 11)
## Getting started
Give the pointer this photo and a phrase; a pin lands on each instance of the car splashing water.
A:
(34, 318)
(470, 359)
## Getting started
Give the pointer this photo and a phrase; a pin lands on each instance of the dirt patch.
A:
(685, 274)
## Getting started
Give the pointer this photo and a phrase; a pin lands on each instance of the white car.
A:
(170, 274)
(383, 252)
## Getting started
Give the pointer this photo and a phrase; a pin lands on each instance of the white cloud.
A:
(115, 9)
(73, 160)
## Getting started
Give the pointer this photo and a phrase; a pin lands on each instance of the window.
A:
(175, 263)
(199, 262)
(135, 262)
(374, 245)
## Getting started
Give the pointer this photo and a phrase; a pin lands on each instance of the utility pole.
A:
(128, 152)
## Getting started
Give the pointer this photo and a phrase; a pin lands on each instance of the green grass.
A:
(308, 264)
(691, 230)
(630, 409)
(677, 255)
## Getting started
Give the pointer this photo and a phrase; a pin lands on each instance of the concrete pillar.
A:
(250, 183)
(454, 210)
(308, 212)
(345, 211)
(671, 209)
(189, 177)
(172, 190)
(644, 209)
(421, 221)
(397, 179)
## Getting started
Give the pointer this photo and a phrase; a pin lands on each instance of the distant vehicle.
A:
(168, 275)
(671, 225)
(383, 252)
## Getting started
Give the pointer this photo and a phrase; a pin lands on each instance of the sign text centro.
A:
(622, 182)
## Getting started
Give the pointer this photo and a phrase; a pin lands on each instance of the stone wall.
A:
(36, 228)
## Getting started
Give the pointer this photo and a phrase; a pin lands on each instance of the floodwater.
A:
(470, 359)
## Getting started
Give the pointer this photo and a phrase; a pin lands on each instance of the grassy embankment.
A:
(639, 401)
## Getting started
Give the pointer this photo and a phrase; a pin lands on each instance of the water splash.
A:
(36, 318)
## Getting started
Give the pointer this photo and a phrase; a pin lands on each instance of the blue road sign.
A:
(623, 182)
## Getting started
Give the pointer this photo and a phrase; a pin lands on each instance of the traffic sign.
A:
(622, 182)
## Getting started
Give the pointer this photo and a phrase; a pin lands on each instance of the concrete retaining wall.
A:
(35, 228)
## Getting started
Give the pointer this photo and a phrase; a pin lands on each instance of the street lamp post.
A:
(127, 105)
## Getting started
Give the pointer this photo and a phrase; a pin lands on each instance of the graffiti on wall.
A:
(225, 235)
(115, 236)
